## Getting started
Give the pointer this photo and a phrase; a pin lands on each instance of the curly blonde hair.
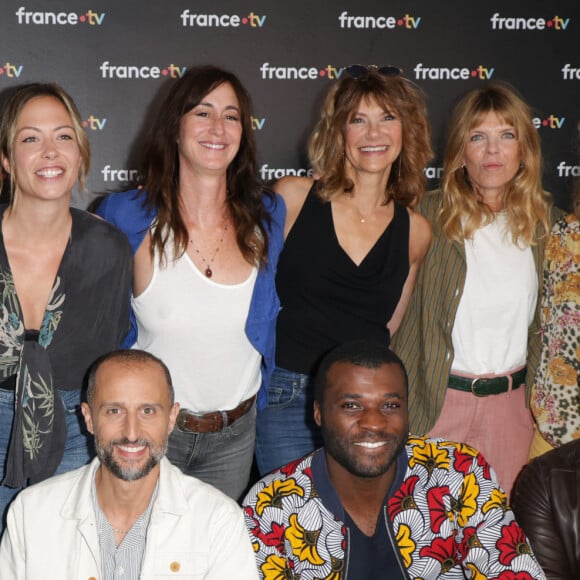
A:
(397, 94)
(525, 201)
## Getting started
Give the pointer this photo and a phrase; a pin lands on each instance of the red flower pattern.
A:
(444, 551)
(403, 498)
(512, 543)
(436, 503)
(511, 575)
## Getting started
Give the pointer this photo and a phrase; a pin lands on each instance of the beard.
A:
(359, 464)
(129, 472)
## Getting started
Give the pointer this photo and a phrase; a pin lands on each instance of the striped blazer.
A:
(423, 340)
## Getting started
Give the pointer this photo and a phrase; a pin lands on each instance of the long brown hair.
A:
(160, 168)
(397, 94)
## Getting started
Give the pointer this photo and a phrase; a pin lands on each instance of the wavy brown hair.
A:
(9, 120)
(396, 94)
(160, 168)
(527, 204)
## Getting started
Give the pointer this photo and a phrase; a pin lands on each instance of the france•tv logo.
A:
(442, 73)
(11, 71)
(284, 73)
(550, 122)
(113, 71)
(89, 17)
(522, 23)
(381, 22)
(94, 123)
(252, 20)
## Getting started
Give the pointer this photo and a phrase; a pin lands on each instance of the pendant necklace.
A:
(208, 271)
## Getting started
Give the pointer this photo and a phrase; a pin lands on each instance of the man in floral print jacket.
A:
(374, 503)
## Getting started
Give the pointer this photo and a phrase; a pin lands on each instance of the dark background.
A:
(298, 33)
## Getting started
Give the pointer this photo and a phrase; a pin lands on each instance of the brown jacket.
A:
(546, 502)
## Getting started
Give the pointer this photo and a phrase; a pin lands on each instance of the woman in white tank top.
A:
(206, 242)
(470, 335)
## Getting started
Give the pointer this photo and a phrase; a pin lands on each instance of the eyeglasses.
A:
(360, 71)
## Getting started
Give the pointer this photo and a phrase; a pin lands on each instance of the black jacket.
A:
(546, 502)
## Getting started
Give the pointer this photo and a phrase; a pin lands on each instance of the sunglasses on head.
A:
(360, 71)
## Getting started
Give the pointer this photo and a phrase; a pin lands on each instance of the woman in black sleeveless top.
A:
(353, 243)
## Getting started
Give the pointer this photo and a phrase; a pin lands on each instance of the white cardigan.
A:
(195, 532)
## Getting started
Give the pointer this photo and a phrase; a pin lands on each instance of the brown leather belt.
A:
(191, 422)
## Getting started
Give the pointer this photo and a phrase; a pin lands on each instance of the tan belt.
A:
(211, 422)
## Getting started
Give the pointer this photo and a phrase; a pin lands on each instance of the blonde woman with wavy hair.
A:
(62, 272)
(353, 243)
(470, 338)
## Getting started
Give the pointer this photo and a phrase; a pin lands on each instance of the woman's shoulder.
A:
(126, 207)
(294, 189)
(93, 228)
(430, 199)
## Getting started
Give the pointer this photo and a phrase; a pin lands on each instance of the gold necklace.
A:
(208, 271)
(118, 531)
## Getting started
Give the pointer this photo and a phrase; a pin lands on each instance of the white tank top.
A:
(196, 326)
(490, 334)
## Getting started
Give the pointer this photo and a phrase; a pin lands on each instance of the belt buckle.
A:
(182, 417)
(473, 387)
(181, 420)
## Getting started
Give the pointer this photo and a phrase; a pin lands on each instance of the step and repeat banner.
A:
(117, 57)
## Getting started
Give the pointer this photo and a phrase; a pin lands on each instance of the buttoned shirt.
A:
(123, 561)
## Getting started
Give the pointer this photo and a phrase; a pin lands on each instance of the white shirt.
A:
(197, 327)
(490, 333)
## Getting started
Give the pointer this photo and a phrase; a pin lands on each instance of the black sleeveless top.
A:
(326, 298)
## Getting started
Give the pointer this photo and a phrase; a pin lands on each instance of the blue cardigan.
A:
(127, 211)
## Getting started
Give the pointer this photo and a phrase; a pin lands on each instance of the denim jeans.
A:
(222, 459)
(285, 427)
(78, 449)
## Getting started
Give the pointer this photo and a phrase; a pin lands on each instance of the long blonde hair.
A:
(525, 201)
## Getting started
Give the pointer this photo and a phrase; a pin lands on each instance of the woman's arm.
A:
(293, 191)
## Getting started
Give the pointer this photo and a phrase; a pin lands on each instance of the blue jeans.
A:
(285, 427)
(222, 459)
(78, 449)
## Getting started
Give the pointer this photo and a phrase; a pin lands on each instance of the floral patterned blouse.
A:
(448, 518)
(556, 393)
(86, 316)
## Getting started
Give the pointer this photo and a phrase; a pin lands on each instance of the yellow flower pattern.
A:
(498, 499)
(406, 544)
(447, 518)
(274, 568)
(303, 541)
(431, 457)
(272, 494)
(466, 505)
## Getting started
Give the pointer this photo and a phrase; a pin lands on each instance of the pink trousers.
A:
(499, 426)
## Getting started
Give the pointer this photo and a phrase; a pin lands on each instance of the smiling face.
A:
(131, 417)
(492, 157)
(46, 157)
(363, 417)
(373, 138)
(210, 134)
